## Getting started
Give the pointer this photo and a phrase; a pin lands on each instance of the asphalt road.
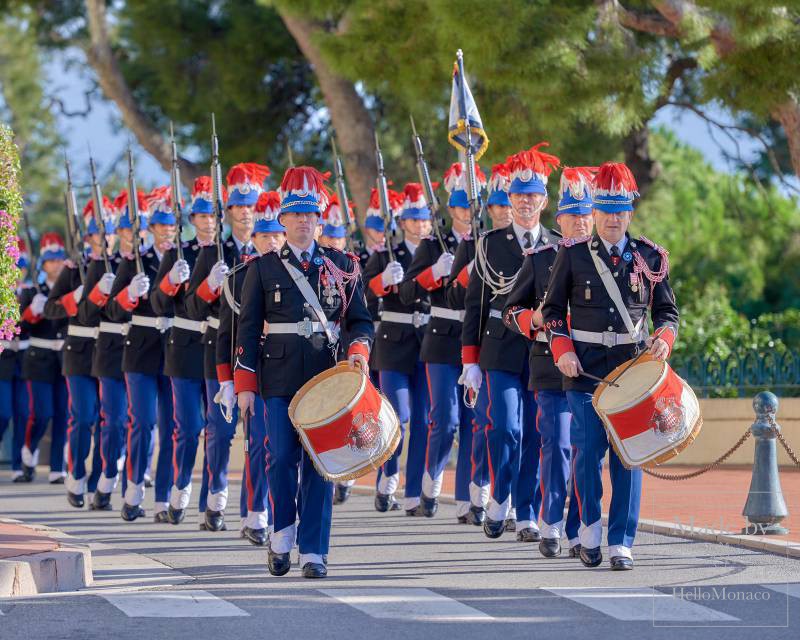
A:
(390, 576)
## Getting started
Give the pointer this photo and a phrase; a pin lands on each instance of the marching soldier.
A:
(334, 233)
(284, 289)
(398, 339)
(202, 304)
(607, 282)
(440, 351)
(523, 314)
(183, 360)
(512, 439)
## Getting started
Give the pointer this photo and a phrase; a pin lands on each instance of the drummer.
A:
(599, 337)
(283, 288)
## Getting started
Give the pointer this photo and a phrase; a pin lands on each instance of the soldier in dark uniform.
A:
(202, 304)
(440, 350)
(600, 337)
(183, 360)
(41, 365)
(13, 390)
(63, 302)
(512, 438)
(299, 349)
(398, 339)
(523, 314)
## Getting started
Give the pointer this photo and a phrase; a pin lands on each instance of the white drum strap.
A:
(616, 297)
(311, 298)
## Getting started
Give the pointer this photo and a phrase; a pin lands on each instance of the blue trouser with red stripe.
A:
(219, 435)
(113, 424)
(479, 486)
(187, 396)
(408, 394)
(83, 416)
(254, 507)
(589, 438)
(150, 400)
(314, 503)
(449, 415)
(47, 401)
(514, 447)
(553, 423)
(14, 407)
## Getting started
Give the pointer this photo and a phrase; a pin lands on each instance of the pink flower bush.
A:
(10, 208)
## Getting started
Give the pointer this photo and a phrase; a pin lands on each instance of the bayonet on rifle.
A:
(216, 188)
(427, 186)
(97, 200)
(175, 181)
(133, 213)
(383, 196)
(74, 232)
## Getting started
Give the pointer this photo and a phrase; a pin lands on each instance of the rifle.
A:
(175, 178)
(34, 269)
(97, 200)
(341, 190)
(427, 185)
(133, 213)
(383, 193)
(475, 201)
(216, 188)
(74, 233)
(289, 154)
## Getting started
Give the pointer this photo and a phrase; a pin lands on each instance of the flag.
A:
(463, 107)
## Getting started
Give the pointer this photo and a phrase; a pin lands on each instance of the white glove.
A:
(179, 272)
(77, 294)
(471, 377)
(441, 268)
(37, 304)
(105, 283)
(226, 398)
(217, 275)
(392, 274)
(140, 285)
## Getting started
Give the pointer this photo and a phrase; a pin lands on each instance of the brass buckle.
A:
(305, 328)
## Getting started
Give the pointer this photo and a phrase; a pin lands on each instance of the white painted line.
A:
(173, 604)
(642, 604)
(793, 589)
(421, 605)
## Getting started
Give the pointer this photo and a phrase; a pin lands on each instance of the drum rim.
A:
(665, 368)
(341, 367)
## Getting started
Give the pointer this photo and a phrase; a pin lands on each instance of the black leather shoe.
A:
(75, 499)
(511, 525)
(621, 563)
(385, 502)
(100, 502)
(493, 528)
(29, 473)
(575, 552)
(257, 537)
(278, 563)
(341, 494)
(416, 512)
(476, 515)
(550, 547)
(528, 534)
(429, 505)
(461, 519)
(175, 516)
(58, 480)
(161, 518)
(315, 570)
(591, 557)
(130, 513)
(22, 479)
(214, 521)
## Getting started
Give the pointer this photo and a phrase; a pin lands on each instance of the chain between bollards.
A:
(708, 467)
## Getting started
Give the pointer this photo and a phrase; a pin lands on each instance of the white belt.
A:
(161, 323)
(117, 328)
(189, 325)
(449, 314)
(82, 332)
(606, 338)
(212, 322)
(15, 345)
(44, 343)
(495, 313)
(418, 319)
(304, 328)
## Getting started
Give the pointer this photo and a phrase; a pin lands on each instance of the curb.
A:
(769, 544)
(66, 568)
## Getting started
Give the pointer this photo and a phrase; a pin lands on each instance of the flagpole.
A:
(472, 186)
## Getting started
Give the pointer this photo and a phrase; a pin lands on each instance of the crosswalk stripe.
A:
(793, 589)
(407, 604)
(173, 604)
(641, 604)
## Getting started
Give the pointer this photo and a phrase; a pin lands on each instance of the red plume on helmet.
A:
(615, 179)
(107, 206)
(525, 164)
(121, 201)
(576, 180)
(305, 182)
(160, 198)
(500, 178)
(455, 178)
(251, 173)
(414, 196)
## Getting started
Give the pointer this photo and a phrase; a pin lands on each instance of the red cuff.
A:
(668, 336)
(244, 380)
(427, 281)
(224, 373)
(560, 345)
(125, 302)
(376, 286)
(29, 316)
(358, 348)
(70, 306)
(97, 297)
(205, 292)
(524, 322)
(470, 354)
(463, 277)
(168, 288)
